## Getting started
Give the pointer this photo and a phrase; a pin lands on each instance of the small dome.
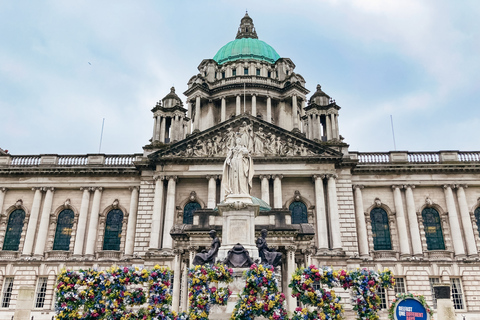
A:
(246, 48)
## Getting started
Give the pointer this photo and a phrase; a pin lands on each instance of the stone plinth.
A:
(24, 303)
(445, 309)
(239, 214)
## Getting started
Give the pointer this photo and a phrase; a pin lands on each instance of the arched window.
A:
(188, 211)
(64, 230)
(299, 212)
(113, 230)
(14, 230)
(380, 229)
(433, 229)
(477, 218)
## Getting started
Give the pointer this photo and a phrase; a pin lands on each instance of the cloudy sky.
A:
(66, 65)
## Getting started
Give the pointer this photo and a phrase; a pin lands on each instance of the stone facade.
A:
(322, 195)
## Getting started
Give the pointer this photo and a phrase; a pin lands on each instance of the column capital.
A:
(291, 248)
(178, 251)
(38, 188)
(358, 186)
(98, 188)
(448, 186)
(222, 97)
(278, 176)
(3, 189)
(409, 186)
(49, 189)
(463, 186)
(174, 178)
(89, 189)
(134, 188)
(269, 97)
(208, 177)
(397, 186)
(264, 176)
(254, 94)
(332, 175)
(193, 248)
(158, 176)
(318, 176)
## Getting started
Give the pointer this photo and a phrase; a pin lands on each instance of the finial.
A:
(319, 87)
(172, 90)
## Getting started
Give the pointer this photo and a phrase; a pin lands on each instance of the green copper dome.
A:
(246, 48)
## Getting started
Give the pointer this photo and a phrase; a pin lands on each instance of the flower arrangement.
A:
(260, 296)
(201, 294)
(327, 304)
(402, 296)
(91, 294)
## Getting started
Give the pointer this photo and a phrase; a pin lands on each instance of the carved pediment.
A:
(261, 138)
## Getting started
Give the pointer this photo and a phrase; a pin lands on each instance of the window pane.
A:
(234, 72)
(432, 282)
(400, 285)
(477, 218)
(188, 211)
(41, 292)
(433, 229)
(14, 230)
(64, 230)
(113, 230)
(380, 229)
(299, 212)
(457, 293)
(258, 72)
(245, 70)
(383, 297)
(7, 292)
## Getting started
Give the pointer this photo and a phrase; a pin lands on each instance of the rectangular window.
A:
(7, 292)
(269, 74)
(432, 282)
(400, 286)
(276, 73)
(223, 75)
(457, 293)
(245, 70)
(234, 72)
(382, 293)
(41, 292)
(258, 72)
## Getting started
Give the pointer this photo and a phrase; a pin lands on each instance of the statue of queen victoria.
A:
(237, 170)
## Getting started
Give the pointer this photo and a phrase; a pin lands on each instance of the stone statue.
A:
(209, 257)
(268, 256)
(246, 134)
(259, 141)
(237, 170)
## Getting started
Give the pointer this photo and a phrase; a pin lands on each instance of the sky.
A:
(67, 65)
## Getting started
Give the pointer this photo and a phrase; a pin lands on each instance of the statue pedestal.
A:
(239, 214)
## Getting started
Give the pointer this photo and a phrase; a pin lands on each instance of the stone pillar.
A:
(466, 221)
(302, 111)
(269, 110)
(169, 213)
(319, 127)
(3, 191)
(32, 222)
(24, 306)
(254, 104)
(277, 191)
(157, 214)
(322, 229)
(457, 238)
(162, 129)
(238, 109)
(223, 112)
(184, 297)
(196, 123)
(82, 223)
(333, 210)
(212, 192)
(334, 126)
(192, 251)
(329, 127)
(360, 219)
(291, 301)
(44, 222)
(93, 224)
(413, 222)
(132, 222)
(445, 308)
(295, 112)
(401, 222)
(154, 134)
(176, 279)
(265, 188)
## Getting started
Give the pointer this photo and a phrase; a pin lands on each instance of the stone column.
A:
(176, 279)
(192, 251)
(32, 222)
(457, 238)
(212, 192)
(322, 229)
(82, 223)
(154, 135)
(132, 222)
(319, 127)
(329, 127)
(184, 297)
(265, 188)
(466, 221)
(169, 213)
(360, 219)
(162, 129)
(44, 222)
(238, 109)
(295, 112)
(334, 126)
(157, 214)
(3, 191)
(291, 301)
(333, 210)
(223, 112)
(254, 104)
(277, 191)
(302, 111)
(93, 224)
(269, 110)
(196, 123)
(401, 222)
(413, 221)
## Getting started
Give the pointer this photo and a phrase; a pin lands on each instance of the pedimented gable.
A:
(261, 138)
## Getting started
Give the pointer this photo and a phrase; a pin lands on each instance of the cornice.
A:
(62, 171)
(415, 168)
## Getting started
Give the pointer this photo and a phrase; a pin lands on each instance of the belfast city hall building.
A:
(416, 213)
